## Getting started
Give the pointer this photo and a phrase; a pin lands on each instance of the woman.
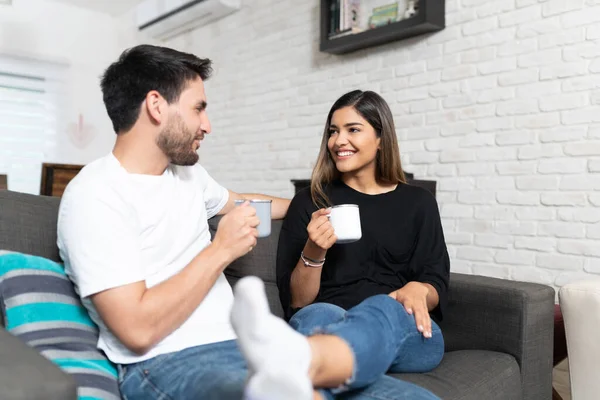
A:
(402, 253)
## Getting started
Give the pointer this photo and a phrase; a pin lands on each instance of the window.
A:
(31, 94)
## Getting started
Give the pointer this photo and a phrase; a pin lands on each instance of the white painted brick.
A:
(535, 214)
(423, 157)
(496, 95)
(587, 82)
(461, 44)
(536, 244)
(517, 107)
(537, 182)
(495, 213)
(446, 35)
(458, 128)
(393, 86)
(581, 17)
(459, 72)
(594, 132)
(444, 89)
(411, 68)
(581, 116)
(580, 182)
(477, 55)
(426, 52)
(520, 16)
(496, 183)
(564, 278)
(475, 169)
(587, 148)
(477, 140)
(585, 215)
(496, 37)
(515, 257)
(562, 166)
(473, 253)
(593, 31)
(497, 154)
(461, 16)
(577, 52)
(479, 25)
(518, 198)
(532, 274)
(593, 231)
(441, 144)
(554, 7)
(525, 3)
(519, 77)
(472, 3)
(594, 166)
(564, 199)
(477, 197)
(514, 138)
(595, 66)
(412, 94)
(519, 228)
(561, 230)
(560, 262)
(457, 238)
(473, 226)
(409, 120)
(380, 75)
(579, 247)
(458, 101)
(491, 270)
(516, 168)
(540, 89)
(475, 112)
(562, 102)
(497, 65)
(423, 106)
(544, 57)
(494, 7)
(457, 155)
(537, 121)
(563, 70)
(456, 211)
(539, 27)
(595, 98)
(494, 124)
(442, 170)
(540, 151)
(478, 83)
(493, 240)
(517, 47)
(563, 134)
(441, 117)
(592, 265)
(426, 78)
(562, 38)
(461, 267)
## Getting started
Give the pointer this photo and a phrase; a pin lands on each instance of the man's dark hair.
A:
(143, 68)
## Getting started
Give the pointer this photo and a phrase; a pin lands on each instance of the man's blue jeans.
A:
(384, 338)
(218, 371)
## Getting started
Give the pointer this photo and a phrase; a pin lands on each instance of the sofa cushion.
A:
(28, 224)
(472, 375)
(40, 307)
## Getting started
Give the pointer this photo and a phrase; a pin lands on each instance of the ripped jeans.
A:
(384, 338)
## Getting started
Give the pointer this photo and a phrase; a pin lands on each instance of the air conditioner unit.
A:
(163, 19)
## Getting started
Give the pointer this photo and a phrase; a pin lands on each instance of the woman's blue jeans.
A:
(383, 337)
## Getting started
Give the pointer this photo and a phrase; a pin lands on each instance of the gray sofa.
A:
(498, 333)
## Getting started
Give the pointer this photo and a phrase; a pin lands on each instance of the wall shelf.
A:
(430, 18)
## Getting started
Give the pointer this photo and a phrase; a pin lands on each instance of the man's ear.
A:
(156, 106)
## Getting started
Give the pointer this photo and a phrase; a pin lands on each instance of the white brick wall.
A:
(502, 108)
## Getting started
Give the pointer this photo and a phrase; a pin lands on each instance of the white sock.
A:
(278, 357)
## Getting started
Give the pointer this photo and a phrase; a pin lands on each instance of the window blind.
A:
(31, 94)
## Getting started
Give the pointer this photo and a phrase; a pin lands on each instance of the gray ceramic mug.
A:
(263, 212)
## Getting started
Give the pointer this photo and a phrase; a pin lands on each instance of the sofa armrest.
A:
(511, 317)
(580, 305)
(25, 374)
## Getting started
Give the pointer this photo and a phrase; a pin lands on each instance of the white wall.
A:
(83, 41)
(502, 108)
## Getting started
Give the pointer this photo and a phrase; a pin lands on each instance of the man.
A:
(134, 236)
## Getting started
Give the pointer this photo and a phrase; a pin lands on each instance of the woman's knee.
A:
(315, 316)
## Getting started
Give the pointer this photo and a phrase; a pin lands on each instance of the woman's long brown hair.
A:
(373, 108)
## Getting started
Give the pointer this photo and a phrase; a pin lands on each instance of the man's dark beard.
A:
(177, 143)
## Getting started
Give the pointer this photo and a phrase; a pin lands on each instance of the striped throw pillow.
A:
(40, 306)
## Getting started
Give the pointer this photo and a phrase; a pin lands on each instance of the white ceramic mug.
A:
(345, 219)
(263, 212)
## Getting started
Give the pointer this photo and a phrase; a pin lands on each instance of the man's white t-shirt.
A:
(117, 228)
